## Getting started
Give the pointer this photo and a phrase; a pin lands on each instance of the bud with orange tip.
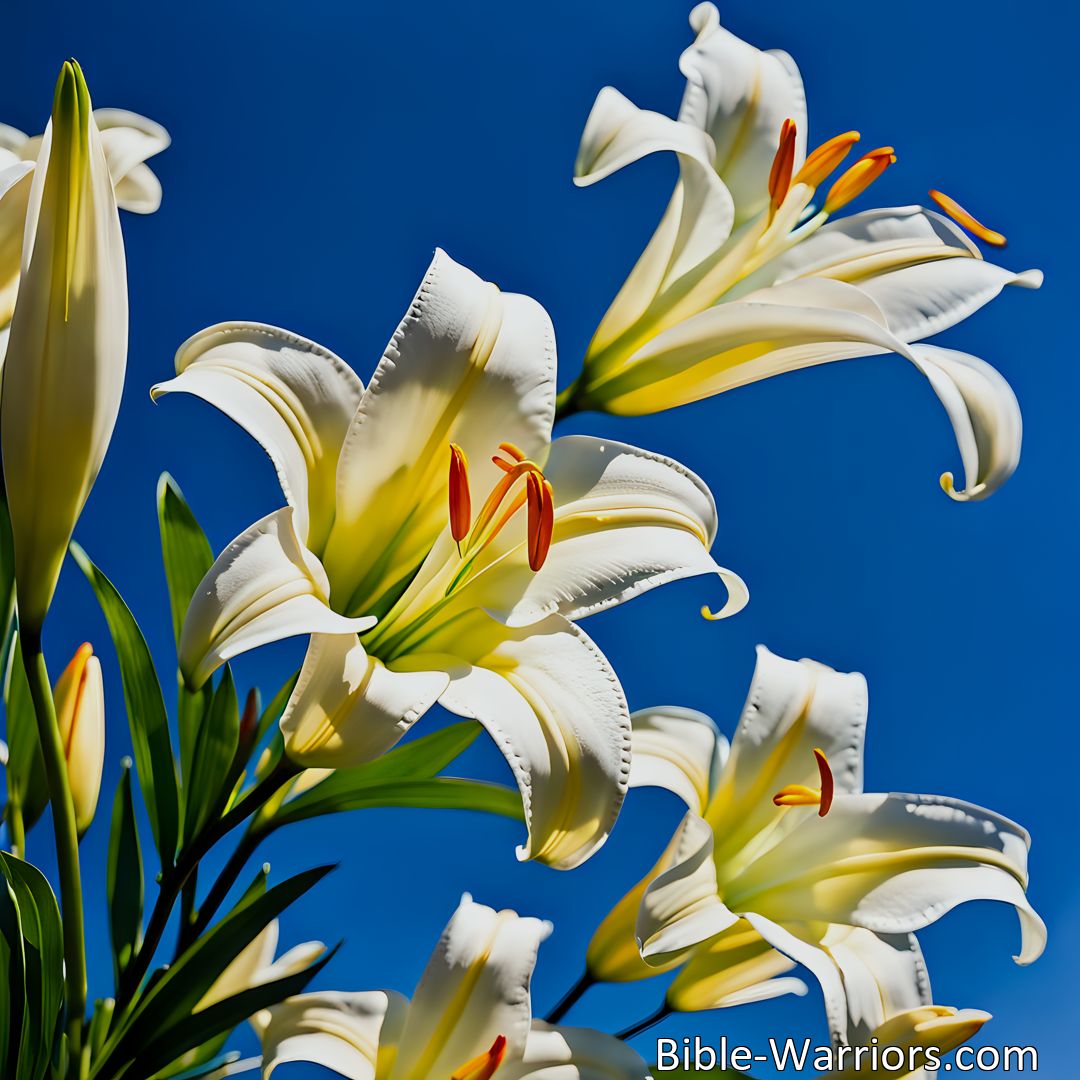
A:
(80, 716)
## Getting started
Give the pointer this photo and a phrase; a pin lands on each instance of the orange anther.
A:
(825, 158)
(968, 221)
(541, 518)
(783, 163)
(828, 785)
(859, 177)
(801, 795)
(460, 497)
(484, 1065)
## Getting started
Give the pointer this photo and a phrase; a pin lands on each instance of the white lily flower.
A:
(788, 860)
(470, 1019)
(127, 140)
(475, 594)
(67, 350)
(745, 278)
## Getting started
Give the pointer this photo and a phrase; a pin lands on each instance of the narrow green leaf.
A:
(192, 1030)
(185, 551)
(207, 789)
(146, 711)
(179, 989)
(99, 1024)
(43, 952)
(419, 759)
(440, 792)
(12, 979)
(125, 885)
(197, 1072)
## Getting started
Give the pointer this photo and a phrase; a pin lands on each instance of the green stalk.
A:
(14, 817)
(67, 837)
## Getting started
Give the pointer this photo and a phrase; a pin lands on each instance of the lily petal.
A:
(265, 586)
(348, 707)
(614, 954)
(129, 139)
(626, 521)
(741, 96)
(918, 267)
(550, 700)
(736, 968)
(681, 908)
(884, 975)
(698, 219)
(783, 328)
(985, 416)
(295, 398)
(341, 1032)
(468, 365)
(566, 1053)
(792, 708)
(15, 181)
(892, 864)
(474, 989)
(680, 750)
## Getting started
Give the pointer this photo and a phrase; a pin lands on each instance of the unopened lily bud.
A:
(67, 350)
(80, 716)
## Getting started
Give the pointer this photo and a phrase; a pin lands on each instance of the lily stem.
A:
(174, 878)
(571, 997)
(644, 1025)
(67, 836)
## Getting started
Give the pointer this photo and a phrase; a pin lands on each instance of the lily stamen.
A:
(858, 178)
(536, 492)
(967, 220)
(821, 162)
(484, 1065)
(460, 496)
(801, 795)
(783, 163)
(541, 518)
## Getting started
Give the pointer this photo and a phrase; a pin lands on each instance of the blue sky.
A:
(322, 150)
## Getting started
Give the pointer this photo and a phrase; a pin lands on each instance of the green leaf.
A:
(27, 787)
(12, 979)
(174, 996)
(197, 1072)
(207, 789)
(419, 759)
(440, 792)
(221, 1018)
(146, 711)
(43, 973)
(125, 885)
(185, 551)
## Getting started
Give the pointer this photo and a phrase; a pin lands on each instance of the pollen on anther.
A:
(967, 219)
(783, 163)
(541, 517)
(460, 497)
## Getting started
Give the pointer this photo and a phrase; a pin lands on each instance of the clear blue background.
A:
(322, 149)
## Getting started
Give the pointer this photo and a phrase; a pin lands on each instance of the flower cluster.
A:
(439, 545)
